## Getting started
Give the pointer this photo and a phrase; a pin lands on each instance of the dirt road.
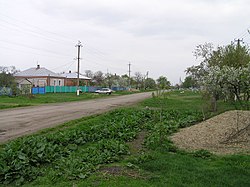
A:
(21, 121)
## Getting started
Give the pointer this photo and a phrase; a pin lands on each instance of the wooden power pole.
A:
(129, 80)
(79, 45)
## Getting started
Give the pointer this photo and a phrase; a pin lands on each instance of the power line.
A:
(28, 52)
(34, 48)
(21, 26)
(238, 41)
(96, 51)
(34, 34)
(38, 29)
(27, 28)
(86, 60)
(244, 33)
(64, 65)
(14, 27)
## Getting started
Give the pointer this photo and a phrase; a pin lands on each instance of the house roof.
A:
(43, 72)
(73, 75)
(37, 72)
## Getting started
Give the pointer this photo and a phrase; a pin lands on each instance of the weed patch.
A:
(78, 153)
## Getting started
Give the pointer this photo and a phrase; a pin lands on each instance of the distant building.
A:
(71, 79)
(39, 77)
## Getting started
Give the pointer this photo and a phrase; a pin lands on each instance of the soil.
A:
(227, 133)
(135, 147)
(21, 121)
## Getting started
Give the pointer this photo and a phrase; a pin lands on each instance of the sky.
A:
(155, 36)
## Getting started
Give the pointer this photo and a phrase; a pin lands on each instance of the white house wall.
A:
(38, 81)
(56, 82)
(41, 82)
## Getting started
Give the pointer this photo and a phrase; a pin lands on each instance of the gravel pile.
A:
(227, 133)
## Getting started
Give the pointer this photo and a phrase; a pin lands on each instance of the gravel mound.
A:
(227, 133)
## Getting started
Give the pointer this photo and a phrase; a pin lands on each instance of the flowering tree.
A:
(224, 72)
(229, 81)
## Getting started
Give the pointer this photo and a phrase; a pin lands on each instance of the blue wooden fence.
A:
(38, 90)
(69, 89)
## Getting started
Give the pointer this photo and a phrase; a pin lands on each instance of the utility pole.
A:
(108, 76)
(79, 45)
(129, 71)
(238, 41)
(145, 80)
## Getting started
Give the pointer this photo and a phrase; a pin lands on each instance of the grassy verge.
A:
(31, 100)
(85, 151)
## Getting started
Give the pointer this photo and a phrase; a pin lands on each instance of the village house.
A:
(71, 79)
(41, 77)
(38, 77)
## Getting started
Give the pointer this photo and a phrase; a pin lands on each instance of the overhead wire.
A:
(19, 30)
(28, 52)
(36, 29)
(58, 38)
(34, 48)
(102, 65)
(89, 48)
(62, 65)
(244, 33)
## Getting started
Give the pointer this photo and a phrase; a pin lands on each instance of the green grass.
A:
(74, 152)
(187, 100)
(31, 100)
(172, 169)
(176, 100)
(175, 169)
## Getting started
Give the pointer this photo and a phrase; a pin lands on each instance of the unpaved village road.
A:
(21, 121)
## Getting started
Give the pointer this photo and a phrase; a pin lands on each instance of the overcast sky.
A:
(154, 35)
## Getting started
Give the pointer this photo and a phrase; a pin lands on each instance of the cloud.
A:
(158, 35)
(168, 19)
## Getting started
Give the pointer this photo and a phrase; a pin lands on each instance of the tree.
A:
(163, 82)
(7, 79)
(203, 52)
(98, 78)
(223, 72)
(89, 73)
(109, 80)
(122, 81)
(150, 83)
(189, 82)
(113, 80)
(230, 55)
(8, 69)
(229, 82)
(138, 80)
(126, 80)
(233, 56)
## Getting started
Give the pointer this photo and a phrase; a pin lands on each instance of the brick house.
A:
(71, 79)
(38, 77)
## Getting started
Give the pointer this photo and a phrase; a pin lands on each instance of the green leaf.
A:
(21, 157)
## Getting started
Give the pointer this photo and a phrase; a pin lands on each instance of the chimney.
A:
(38, 66)
(69, 71)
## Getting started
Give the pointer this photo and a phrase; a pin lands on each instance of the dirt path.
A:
(21, 121)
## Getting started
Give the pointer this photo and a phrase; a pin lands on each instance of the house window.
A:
(59, 83)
